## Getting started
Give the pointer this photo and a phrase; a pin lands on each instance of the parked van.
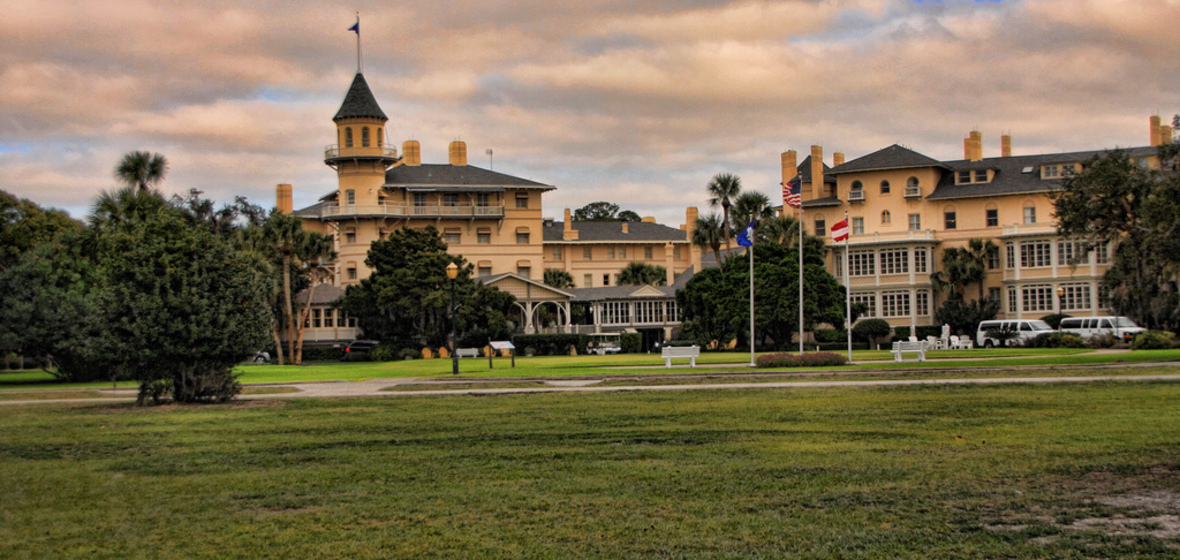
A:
(1086, 327)
(1026, 330)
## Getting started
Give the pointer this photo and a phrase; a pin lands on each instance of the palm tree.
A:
(751, 205)
(141, 170)
(558, 278)
(783, 230)
(723, 188)
(116, 208)
(708, 233)
(315, 250)
(284, 236)
(643, 274)
(981, 251)
(963, 266)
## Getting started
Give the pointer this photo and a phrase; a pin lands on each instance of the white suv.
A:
(1026, 330)
(1086, 327)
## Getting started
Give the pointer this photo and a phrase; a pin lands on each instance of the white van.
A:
(1026, 330)
(1086, 327)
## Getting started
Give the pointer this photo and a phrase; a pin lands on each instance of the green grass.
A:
(856, 473)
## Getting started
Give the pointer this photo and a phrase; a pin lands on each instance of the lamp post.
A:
(1060, 299)
(452, 273)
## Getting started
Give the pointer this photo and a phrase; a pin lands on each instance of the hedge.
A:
(800, 360)
(549, 344)
(1058, 340)
(1153, 340)
(632, 343)
(318, 354)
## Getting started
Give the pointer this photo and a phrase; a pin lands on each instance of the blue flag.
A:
(356, 27)
(746, 237)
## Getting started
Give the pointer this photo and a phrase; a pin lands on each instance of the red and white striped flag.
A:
(840, 230)
(793, 193)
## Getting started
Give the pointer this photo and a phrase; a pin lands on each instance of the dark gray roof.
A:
(820, 202)
(359, 102)
(447, 175)
(323, 295)
(613, 231)
(1009, 177)
(315, 210)
(805, 171)
(893, 157)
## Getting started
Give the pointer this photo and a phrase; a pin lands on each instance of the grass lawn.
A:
(1054, 471)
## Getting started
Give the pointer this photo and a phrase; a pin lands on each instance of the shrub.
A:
(830, 335)
(1153, 340)
(550, 344)
(632, 343)
(320, 353)
(1102, 340)
(800, 360)
(871, 329)
(1058, 340)
(408, 354)
(384, 352)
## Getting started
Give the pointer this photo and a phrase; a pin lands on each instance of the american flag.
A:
(791, 193)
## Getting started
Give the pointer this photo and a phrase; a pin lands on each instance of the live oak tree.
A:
(603, 211)
(24, 225)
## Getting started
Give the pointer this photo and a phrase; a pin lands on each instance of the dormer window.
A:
(968, 176)
(980, 175)
(1050, 172)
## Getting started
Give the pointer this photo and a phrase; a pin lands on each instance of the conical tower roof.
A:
(360, 103)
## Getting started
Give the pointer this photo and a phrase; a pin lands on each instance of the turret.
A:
(360, 155)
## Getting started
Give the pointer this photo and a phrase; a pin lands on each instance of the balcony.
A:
(856, 195)
(404, 211)
(913, 191)
(335, 152)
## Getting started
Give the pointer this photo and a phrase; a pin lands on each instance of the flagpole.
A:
(358, 43)
(752, 364)
(847, 291)
(800, 277)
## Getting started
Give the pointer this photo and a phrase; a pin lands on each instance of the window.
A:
(522, 200)
(922, 302)
(616, 313)
(870, 302)
(348, 137)
(647, 253)
(587, 280)
(1101, 254)
(1066, 252)
(523, 271)
(605, 279)
(862, 263)
(675, 252)
(1076, 296)
(452, 236)
(1011, 250)
(1050, 172)
(586, 254)
(920, 260)
(350, 237)
(993, 261)
(820, 227)
(858, 226)
(610, 251)
(316, 321)
(993, 294)
(623, 252)
(450, 200)
(1030, 214)
(557, 252)
(350, 195)
(964, 176)
(856, 192)
(884, 187)
(895, 304)
(419, 203)
(949, 219)
(1035, 254)
(1038, 297)
(993, 217)
(913, 187)
(365, 137)
(352, 273)
(857, 186)
(380, 138)
(1011, 300)
(485, 270)
(915, 222)
(1103, 298)
(980, 175)
(481, 199)
(894, 261)
(522, 237)
(1068, 169)
(483, 236)
(885, 217)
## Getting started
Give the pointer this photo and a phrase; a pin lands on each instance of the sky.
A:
(636, 102)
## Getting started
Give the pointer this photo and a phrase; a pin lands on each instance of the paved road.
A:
(373, 387)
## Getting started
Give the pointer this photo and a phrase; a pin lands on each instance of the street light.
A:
(1060, 299)
(452, 273)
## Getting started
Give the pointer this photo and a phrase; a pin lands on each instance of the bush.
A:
(408, 354)
(1058, 340)
(830, 335)
(800, 360)
(1102, 340)
(1153, 340)
(1054, 320)
(632, 343)
(319, 354)
(550, 344)
(871, 329)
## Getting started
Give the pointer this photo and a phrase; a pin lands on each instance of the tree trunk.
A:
(304, 315)
(288, 309)
(274, 328)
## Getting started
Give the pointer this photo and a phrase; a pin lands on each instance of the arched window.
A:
(884, 187)
(348, 137)
(913, 187)
(365, 137)
(856, 185)
(380, 138)
(885, 217)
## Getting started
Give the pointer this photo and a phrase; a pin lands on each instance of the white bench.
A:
(902, 347)
(668, 353)
(467, 352)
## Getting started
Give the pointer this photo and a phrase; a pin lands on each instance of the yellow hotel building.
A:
(905, 209)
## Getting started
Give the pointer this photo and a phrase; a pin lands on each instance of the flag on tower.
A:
(840, 230)
(792, 193)
(356, 27)
(746, 237)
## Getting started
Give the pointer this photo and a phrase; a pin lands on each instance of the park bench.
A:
(914, 347)
(467, 352)
(672, 352)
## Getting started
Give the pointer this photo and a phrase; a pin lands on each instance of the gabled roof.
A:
(1008, 176)
(359, 102)
(323, 294)
(613, 231)
(623, 292)
(805, 171)
(447, 175)
(893, 157)
(498, 278)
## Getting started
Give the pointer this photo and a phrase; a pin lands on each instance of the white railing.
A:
(911, 192)
(857, 195)
(335, 151)
(407, 211)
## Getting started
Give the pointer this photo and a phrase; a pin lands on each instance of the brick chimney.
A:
(1005, 146)
(283, 198)
(568, 232)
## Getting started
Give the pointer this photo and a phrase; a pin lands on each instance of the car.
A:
(1025, 329)
(1086, 327)
(358, 350)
